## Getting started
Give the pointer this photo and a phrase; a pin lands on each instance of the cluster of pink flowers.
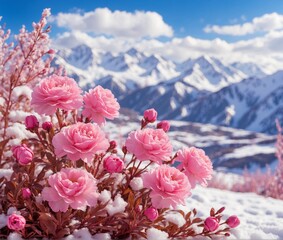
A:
(70, 176)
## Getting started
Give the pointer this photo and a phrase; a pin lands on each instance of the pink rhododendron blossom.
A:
(150, 144)
(80, 141)
(195, 164)
(165, 125)
(151, 213)
(56, 92)
(16, 222)
(113, 164)
(23, 154)
(150, 115)
(100, 103)
(70, 187)
(26, 193)
(211, 224)
(31, 122)
(233, 221)
(169, 187)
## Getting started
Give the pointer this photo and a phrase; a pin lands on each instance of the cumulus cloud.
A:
(265, 23)
(103, 21)
(265, 50)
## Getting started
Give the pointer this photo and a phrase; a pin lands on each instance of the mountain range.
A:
(196, 90)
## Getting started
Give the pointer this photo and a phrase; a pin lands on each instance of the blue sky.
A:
(232, 30)
(187, 17)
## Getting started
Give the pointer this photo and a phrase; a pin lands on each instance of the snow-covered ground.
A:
(261, 218)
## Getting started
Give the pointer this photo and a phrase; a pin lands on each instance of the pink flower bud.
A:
(233, 221)
(31, 122)
(124, 149)
(51, 51)
(26, 193)
(23, 154)
(113, 144)
(165, 125)
(47, 126)
(150, 115)
(113, 164)
(211, 224)
(151, 213)
(16, 222)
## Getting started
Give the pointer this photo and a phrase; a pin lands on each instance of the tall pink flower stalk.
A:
(21, 64)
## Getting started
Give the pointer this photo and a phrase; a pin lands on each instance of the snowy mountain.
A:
(207, 73)
(258, 102)
(198, 90)
(250, 69)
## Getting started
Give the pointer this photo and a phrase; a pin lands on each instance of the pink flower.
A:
(211, 224)
(26, 193)
(165, 125)
(150, 115)
(70, 187)
(151, 213)
(196, 165)
(23, 154)
(100, 103)
(56, 92)
(233, 221)
(80, 141)
(113, 164)
(31, 122)
(16, 222)
(168, 185)
(150, 144)
(47, 126)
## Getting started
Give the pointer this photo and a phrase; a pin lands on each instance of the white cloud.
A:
(266, 50)
(265, 23)
(103, 21)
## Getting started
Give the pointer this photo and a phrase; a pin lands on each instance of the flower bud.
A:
(47, 126)
(150, 115)
(124, 149)
(165, 125)
(51, 51)
(233, 221)
(113, 164)
(26, 193)
(113, 144)
(16, 222)
(151, 213)
(23, 154)
(31, 122)
(211, 224)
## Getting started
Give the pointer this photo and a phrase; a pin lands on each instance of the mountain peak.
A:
(132, 51)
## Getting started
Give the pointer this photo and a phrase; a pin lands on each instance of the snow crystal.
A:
(154, 234)
(12, 210)
(104, 196)
(6, 173)
(14, 236)
(22, 90)
(82, 233)
(176, 218)
(116, 206)
(136, 183)
(102, 236)
(3, 220)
